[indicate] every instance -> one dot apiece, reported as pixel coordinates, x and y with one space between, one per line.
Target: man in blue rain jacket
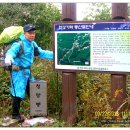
21 76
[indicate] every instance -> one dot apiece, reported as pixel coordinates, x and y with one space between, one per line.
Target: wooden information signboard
92 46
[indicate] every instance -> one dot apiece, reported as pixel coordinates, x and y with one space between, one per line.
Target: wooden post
69 97
118 90
120 9
69 10
69 78
118 81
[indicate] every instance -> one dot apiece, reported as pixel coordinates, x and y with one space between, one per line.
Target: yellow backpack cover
10 34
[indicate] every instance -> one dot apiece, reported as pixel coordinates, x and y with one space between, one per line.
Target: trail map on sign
74 48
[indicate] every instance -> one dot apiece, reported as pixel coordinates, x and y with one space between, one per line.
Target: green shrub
93 94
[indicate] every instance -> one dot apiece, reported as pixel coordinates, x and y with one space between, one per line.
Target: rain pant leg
19 83
16 105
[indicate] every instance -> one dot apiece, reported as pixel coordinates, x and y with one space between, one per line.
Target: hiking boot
18 118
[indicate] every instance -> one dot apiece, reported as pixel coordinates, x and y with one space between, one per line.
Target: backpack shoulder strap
21 47
36 52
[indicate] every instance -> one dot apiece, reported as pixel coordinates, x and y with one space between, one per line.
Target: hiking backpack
3 51
5 48
7 37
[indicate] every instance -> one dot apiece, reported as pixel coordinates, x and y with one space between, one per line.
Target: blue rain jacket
25 60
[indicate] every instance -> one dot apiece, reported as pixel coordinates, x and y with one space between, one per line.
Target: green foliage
59 124
4 93
41 15
98 11
93 96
